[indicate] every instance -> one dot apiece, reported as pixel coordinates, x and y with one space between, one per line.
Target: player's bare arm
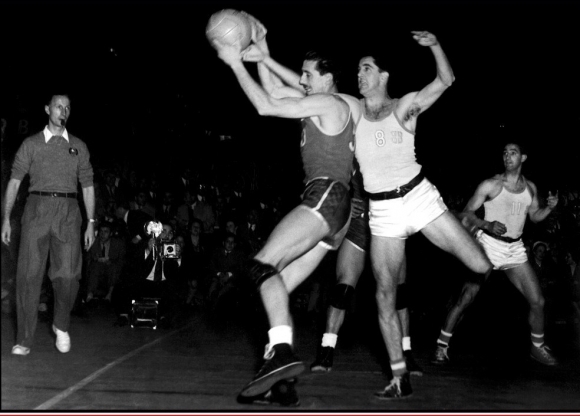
414 103
277 80
486 190
326 107
535 213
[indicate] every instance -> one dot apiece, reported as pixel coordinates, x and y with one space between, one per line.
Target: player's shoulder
495 183
353 103
530 185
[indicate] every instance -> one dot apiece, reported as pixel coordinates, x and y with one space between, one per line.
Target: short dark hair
523 148
380 62
324 64
51 97
105 224
227 235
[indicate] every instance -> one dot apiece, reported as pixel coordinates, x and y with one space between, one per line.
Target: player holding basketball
507 198
402 200
303 237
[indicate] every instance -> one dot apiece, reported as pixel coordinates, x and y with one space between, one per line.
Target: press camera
170 250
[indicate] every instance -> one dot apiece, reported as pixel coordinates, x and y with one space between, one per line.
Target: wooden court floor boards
197 366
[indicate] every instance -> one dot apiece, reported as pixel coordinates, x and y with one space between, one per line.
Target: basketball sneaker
412 366
440 356
281 363
398 388
324 360
542 355
282 393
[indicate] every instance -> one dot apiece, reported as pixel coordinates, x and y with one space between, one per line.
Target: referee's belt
399 191
500 238
55 194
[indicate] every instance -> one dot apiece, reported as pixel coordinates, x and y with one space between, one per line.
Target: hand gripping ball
230 27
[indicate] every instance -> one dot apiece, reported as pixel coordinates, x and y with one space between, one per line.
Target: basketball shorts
330 200
407 215
359 233
502 255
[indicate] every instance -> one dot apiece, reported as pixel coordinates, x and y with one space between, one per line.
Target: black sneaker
543 355
283 393
324 359
281 363
440 355
412 366
398 388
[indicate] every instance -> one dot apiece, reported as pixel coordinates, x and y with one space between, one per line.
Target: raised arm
285 82
416 102
536 213
290 107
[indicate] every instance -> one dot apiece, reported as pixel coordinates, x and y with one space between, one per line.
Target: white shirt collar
48 134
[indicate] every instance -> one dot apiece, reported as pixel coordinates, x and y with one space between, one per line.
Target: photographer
154 274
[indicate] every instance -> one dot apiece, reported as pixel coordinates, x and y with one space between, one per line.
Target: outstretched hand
253 53
258 29
424 38
258 50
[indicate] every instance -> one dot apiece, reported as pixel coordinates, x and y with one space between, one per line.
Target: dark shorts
331 201
359 232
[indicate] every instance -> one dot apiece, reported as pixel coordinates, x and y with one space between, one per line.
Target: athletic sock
444 338
329 339
398 367
406 343
537 340
281 334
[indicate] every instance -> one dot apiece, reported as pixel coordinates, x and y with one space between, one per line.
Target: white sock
329 340
406 343
537 340
281 334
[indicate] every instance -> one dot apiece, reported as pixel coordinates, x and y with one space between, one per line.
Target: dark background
145 83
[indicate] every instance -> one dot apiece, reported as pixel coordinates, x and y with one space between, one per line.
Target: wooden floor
199 366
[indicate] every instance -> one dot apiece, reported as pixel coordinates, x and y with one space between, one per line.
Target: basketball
230 27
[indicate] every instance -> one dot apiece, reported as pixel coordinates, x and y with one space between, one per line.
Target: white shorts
502 255
403 217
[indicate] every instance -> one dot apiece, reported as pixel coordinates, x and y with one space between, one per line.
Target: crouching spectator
106 260
226 273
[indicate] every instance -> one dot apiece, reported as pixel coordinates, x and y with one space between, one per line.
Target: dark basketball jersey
325 156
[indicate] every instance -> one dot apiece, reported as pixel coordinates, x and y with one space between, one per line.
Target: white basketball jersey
510 209
385 151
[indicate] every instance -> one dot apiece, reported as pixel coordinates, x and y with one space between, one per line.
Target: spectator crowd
219 219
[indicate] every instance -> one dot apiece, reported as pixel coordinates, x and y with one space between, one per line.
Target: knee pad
260 272
402 297
341 296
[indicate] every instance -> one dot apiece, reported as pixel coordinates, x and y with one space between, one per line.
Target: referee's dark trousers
50 226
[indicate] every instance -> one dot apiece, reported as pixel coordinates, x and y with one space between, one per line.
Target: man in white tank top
402 201
507 198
